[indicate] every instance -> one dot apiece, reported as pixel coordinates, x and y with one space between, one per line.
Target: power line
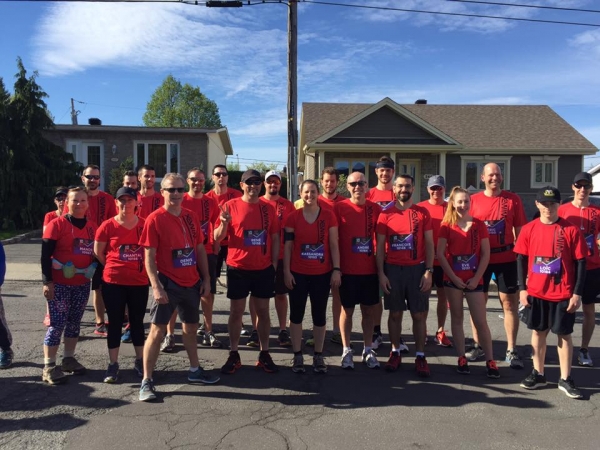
558 8
109 106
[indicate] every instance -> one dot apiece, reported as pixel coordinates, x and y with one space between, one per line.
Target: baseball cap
250 173
548 194
581 176
436 180
126 191
272 173
61 191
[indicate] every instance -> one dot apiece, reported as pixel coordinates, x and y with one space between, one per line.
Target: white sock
68 354
193 369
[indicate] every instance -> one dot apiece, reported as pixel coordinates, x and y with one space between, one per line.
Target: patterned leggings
66 311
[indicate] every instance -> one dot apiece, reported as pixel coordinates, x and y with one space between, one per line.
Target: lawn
6 234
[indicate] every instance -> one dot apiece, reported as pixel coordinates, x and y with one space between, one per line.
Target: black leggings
116 297
315 286
221 258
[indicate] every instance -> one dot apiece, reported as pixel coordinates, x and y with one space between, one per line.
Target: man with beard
148 199
130 180
405 268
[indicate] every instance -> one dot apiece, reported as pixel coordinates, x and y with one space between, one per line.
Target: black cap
126 191
61 191
250 173
548 194
582 176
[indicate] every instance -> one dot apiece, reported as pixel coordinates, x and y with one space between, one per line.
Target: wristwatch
429 269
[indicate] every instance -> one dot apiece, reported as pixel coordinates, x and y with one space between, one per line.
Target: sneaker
310 342
370 359
232 364
284 339
100 330
403 347
209 339
53 375
126 337
534 380
201 330
492 369
253 340
568 387
422 367
71 365
377 341
112 373
298 364
147 391
46 321
336 338
347 359
513 358
201 376
266 362
244 332
442 339
6 358
475 353
463 365
394 362
168 343
138 367
319 365
584 358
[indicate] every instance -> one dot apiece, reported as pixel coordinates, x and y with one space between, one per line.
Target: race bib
401 242
184 257
386 205
546 266
83 246
362 245
312 252
495 227
254 238
131 253
464 262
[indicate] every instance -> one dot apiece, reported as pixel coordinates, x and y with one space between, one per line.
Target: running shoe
463 365
6 358
584 358
147 390
336 338
298 364
201 376
442 339
253 340
347 359
209 339
244 332
534 380
475 353
53 375
310 342
100 330
232 364
266 362
168 343
568 387
422 367
112 373
394 362
71 365
126 337
319 365
201 330
377 341
138 367
513 358
370 359
492 369
284 339
46 321
403 347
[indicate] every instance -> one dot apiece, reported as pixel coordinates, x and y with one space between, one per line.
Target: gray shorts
405 293
186 300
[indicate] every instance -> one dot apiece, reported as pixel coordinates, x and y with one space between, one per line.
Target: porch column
320 164
442 168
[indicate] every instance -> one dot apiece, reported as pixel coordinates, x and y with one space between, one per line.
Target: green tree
175 105
116 175
263 167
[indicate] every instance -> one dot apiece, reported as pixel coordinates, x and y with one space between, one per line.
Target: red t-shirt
436 212
588 221
330 203
356 231
501 214
147 205
384 198
208 212
552 251
101 207
250 231
175 240
463 248
311 254
49 217
404 233
222 199
124 256
74 245
283 208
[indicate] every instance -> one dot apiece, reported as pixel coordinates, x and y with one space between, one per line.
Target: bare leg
346 326
477 309
538 342
336 308
236 312
263 320
419 329
565 354
589 323
98 302
367 325
151 348
455 297
281 307
190 343
395 328
171 324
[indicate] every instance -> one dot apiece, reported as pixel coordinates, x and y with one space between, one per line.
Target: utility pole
73 113
293 100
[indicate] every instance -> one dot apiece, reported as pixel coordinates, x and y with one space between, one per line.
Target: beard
404 196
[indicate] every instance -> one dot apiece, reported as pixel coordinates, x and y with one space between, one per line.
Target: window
163 156
472 166
366 166
544 171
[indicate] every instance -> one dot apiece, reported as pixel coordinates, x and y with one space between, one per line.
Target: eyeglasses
436 188
253 182
173 190
92 177
60 198
197 180
220 174
407 186
357 183
579 186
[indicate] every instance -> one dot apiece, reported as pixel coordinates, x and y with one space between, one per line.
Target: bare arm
334 247
100 251
380 259
158 291
275 249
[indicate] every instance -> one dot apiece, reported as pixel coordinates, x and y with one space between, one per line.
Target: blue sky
113 56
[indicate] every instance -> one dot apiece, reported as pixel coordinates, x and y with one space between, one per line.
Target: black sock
377 330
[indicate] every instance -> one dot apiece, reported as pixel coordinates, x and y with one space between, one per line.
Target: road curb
22 237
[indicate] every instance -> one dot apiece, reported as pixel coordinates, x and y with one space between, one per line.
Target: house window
472 167
366 166
163 156
544 171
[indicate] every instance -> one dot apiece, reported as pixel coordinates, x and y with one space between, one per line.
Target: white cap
272 173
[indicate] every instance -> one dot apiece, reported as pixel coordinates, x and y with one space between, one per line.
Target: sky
111 56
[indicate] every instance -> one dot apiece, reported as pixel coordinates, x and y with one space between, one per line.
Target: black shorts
184 300
258 283
212 271
591 288
317 288
405 293
450 284
506 277
438 277
97 278
359 290
545 314
280 287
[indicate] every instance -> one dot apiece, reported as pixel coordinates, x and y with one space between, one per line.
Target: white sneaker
584 358
370 360
377 341
403 347
347 359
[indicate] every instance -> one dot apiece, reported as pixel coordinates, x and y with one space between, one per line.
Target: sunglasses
173 190
584 186
253 182
60 198
220 174
92 177
197 180
357 183
436 188
273 182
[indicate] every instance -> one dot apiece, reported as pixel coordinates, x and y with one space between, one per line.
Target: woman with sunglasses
311 266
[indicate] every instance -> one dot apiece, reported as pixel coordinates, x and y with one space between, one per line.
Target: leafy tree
263 167
233 167
116 175
175 105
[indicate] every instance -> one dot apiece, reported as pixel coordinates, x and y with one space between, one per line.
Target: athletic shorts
545 315
506 277
450 284
438 277
184 300
359 290
280 287
405 293
591 288
212 271
258 283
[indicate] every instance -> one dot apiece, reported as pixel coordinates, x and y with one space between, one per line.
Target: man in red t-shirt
148 199
586 217
253 230
130 180
551 276
503 214
357 219
174 255
405 268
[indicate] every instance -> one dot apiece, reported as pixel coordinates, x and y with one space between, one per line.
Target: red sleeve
333 219
49 217
444 231
149 237
215 212
102 232
291 221
52 231
381 227
522 244
520 218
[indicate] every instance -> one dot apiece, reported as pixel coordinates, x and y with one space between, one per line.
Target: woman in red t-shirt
124 277
463 251
311 266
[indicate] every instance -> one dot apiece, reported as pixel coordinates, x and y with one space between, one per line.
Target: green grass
6 234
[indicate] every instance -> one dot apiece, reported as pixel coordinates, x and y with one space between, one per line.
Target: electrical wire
556 8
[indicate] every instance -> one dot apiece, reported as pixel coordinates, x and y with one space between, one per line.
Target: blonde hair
451 216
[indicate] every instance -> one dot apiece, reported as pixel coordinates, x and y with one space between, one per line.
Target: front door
411 167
